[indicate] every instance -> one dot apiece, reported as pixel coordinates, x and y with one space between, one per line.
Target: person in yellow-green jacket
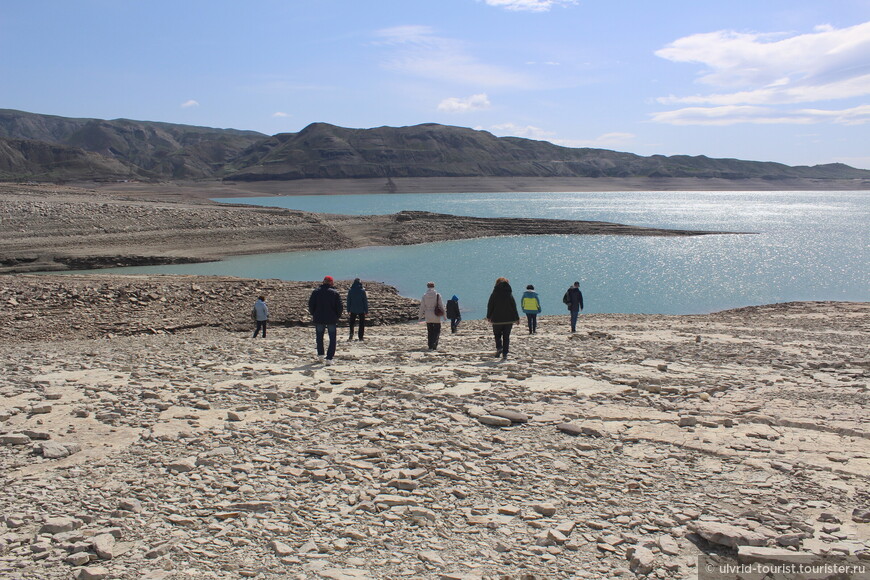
531 305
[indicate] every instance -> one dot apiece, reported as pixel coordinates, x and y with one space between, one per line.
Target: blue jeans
532 318
574 315
319 329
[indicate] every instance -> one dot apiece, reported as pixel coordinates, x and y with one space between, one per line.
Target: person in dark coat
325 308
573 298
501 312
453 313
357 307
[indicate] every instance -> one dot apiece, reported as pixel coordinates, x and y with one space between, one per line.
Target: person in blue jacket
531 305
325 308
357 307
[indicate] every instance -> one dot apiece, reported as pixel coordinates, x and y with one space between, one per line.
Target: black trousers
433 332
260 324
362 324
502 334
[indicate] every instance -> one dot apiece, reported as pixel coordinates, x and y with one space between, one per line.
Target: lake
807 246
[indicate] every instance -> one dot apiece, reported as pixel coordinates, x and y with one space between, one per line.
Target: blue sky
770 80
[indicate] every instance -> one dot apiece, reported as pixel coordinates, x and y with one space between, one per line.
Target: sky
766 80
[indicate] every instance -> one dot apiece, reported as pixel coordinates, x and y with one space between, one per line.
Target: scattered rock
495 421
728 535
14 439
93 573
514 416
642 561
59 525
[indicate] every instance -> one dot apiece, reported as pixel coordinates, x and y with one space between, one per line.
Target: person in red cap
325 308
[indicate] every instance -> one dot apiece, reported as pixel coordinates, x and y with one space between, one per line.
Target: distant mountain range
37 147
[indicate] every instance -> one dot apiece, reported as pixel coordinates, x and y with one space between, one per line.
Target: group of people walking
501 312
326 307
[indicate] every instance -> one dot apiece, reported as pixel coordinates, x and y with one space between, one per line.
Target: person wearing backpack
531 305
432 311
573 298
260 315
453 313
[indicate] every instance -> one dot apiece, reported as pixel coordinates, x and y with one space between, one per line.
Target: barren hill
50 148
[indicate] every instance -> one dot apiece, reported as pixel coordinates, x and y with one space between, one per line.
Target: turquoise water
808 246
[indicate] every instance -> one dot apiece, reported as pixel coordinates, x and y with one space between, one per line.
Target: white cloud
280 114
190 103
855 116
527 132
728 115
734 114
750 72
419 51
459 105
529 5
606 141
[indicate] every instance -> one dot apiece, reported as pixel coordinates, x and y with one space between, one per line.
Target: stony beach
145 435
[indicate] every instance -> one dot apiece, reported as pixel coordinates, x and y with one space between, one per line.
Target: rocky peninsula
50 227
145 435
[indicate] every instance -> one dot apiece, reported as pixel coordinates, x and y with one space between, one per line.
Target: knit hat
328 280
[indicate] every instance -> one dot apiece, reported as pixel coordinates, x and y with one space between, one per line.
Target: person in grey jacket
357 307
260 314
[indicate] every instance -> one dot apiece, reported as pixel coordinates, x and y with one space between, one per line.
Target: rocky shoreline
627 449
74 306
50 228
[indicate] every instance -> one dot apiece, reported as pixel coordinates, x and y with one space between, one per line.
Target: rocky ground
50 227
628 448
56 307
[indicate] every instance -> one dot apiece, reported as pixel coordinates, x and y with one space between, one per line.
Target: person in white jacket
432 311
260 314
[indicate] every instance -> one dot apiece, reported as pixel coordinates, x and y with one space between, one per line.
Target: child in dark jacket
453 313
